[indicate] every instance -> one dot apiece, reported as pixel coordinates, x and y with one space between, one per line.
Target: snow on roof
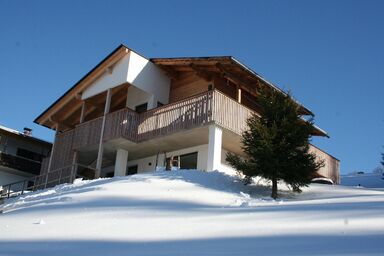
22 134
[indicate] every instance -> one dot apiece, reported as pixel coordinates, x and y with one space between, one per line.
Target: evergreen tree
277 144
382 158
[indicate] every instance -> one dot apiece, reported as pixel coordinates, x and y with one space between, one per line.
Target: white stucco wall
6 177
225 167
109 80
137 97
148 164
140 73
144 163
147 76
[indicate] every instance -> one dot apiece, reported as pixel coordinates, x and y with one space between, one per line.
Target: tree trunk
274 187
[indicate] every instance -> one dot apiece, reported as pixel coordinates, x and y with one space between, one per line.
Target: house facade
131 114
21 155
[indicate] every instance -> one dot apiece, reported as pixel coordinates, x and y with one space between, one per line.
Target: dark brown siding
186 87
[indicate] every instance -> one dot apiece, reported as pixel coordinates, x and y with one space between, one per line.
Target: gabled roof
226 65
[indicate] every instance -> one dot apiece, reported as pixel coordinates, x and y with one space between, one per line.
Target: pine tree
382 158
277 144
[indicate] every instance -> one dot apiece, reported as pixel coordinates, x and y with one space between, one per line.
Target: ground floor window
131 170
110 174
186 161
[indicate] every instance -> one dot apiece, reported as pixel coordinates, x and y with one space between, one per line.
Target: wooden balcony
20 163
208 107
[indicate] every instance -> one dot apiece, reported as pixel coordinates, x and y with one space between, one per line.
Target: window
141 108
110 174
131 170
186 161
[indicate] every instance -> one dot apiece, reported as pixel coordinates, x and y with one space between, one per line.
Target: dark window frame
141 108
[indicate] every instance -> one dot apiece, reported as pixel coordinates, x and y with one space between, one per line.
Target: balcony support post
82 114
101 149
51 156
238 94
214 148
121 162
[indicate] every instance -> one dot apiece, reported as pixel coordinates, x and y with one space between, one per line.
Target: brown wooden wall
331 165
187 86
87 133
44 165
63 151
226 87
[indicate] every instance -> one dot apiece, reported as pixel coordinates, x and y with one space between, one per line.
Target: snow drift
192 213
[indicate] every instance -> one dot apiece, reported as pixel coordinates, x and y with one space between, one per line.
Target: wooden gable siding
187 86
226 87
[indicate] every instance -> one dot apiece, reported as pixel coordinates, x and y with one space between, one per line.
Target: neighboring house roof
226 65
27 137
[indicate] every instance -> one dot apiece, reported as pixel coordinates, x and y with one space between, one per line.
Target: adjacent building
21 155
131 114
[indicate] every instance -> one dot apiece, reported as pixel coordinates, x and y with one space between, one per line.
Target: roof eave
37 119
308 112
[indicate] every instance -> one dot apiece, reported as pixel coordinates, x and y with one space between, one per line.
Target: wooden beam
201 72
82 114
73 107
236 80
170 72
60 124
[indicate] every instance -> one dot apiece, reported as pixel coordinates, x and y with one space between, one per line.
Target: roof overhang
76 90
222 64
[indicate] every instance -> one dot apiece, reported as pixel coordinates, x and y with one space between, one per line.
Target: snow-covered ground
192 213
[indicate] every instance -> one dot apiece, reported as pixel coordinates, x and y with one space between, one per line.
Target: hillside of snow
192 213
366 180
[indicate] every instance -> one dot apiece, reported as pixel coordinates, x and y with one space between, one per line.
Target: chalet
21 155
131 114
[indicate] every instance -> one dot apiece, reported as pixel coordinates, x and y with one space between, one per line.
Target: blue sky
329 53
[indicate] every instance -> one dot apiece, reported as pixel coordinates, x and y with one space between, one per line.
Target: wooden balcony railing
201 109
230 114
20 163
122 123
181 115
87 133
